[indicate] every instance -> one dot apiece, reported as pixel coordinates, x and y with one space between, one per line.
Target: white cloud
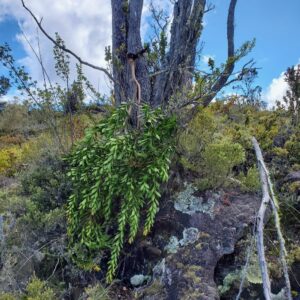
276 90
84 25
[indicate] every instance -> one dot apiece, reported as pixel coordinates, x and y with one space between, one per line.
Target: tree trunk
185 33
178 69
119 49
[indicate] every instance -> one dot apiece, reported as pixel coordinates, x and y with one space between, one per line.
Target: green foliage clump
195 137
97 292
250 182
218 160
46 183
10 157
38 290
230 279
8 296
116 173
292 145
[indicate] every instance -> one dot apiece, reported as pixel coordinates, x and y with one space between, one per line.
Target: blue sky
274 25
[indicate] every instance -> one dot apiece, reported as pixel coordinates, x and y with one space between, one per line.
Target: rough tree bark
185 33
177 71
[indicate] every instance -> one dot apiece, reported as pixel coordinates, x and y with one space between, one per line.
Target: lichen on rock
139 279
190 236
187 203
173 245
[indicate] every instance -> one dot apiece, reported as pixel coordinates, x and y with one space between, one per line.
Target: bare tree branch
39 24
266 187
260 222
230 56
283 252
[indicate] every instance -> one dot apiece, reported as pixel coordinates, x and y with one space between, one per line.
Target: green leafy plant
116 173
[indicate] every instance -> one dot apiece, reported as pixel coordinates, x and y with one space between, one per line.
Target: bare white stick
274 204
260 222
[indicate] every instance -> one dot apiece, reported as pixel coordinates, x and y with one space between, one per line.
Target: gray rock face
209 230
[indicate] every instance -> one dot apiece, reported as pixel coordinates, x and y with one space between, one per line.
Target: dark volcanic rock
210 224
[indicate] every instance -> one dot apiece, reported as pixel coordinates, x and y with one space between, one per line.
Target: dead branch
237 76
39 24
283 252
230 56
267 187
260 222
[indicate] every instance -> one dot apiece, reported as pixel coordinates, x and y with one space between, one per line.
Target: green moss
253 271
281 152
155 289
228 281
294 187
294 254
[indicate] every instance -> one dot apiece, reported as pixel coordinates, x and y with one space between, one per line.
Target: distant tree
292 97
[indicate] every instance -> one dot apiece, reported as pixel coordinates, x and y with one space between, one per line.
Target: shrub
116 173
8 296
292 145
38 290
218 160
46 183
195 137
251 181
10 158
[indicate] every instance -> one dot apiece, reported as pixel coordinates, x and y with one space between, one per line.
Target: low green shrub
250 182
218 160
46 182
192 141
38 290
